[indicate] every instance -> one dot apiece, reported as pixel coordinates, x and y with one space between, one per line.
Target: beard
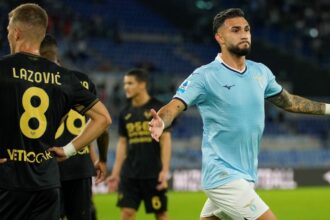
239 51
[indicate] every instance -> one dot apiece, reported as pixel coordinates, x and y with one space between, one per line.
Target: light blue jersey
231 105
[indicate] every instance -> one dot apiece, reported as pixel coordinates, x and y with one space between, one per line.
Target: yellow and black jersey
79 166
143 153
35 95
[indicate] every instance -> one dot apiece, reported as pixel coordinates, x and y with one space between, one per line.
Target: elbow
107 121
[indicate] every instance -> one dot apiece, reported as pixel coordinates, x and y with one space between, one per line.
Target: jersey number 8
33 121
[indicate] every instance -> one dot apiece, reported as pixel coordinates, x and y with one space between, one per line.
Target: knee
161 216
128 214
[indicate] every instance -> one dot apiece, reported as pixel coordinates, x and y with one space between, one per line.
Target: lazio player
230 94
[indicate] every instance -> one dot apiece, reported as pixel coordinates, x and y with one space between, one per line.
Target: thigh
238 199
46 205
37 205
14 205
155 201
129 193
77 199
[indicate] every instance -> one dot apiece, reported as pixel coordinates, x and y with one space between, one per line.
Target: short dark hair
220 18
48 41
140 75
49 49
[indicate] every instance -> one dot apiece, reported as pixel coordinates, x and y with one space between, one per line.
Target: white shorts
236 200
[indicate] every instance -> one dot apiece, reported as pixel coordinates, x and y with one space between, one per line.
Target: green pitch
299 204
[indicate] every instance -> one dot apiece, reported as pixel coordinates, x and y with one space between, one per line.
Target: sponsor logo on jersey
260 80
147 114
28 156
128 116
183 87
228 86
138 132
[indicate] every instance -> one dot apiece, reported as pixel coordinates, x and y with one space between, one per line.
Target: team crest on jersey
260 80
183 87
128 116
147 114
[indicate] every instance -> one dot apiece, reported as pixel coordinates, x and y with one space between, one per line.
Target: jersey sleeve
192 90
81 98
92 87
272 87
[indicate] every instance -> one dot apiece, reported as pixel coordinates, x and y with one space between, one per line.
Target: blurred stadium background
105 38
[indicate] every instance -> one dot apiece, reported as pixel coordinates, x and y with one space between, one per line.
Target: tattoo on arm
169 112
294 103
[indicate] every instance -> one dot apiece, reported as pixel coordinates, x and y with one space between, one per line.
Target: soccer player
142 164
76 172
35 95
229 93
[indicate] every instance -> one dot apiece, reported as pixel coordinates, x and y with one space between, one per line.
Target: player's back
80 166
35 95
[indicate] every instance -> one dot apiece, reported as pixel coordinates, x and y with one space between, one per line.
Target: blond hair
33 20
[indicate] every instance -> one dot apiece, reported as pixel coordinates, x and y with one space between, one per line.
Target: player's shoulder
80 75
125 108
209 67
257 65
154 103
11 58
32 61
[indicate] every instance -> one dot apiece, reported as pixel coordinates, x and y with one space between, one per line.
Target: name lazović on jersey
37 77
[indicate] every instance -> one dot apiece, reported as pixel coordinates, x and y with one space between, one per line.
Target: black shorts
132 191
36 205
76 199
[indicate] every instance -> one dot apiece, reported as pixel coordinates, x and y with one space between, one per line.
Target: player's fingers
3 160
155 137
55 150
98 177
161 186
154 113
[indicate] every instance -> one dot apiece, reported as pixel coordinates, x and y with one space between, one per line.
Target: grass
298 204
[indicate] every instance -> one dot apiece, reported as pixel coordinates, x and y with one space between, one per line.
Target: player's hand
3 160
113 182
101 171
162 180
59 153
156 125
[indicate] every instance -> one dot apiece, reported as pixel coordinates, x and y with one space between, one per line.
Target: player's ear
219 38
17 33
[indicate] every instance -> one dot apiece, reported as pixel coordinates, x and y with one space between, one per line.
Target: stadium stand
107 37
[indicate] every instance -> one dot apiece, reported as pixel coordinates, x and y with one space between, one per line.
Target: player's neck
141 99
236 62
27 48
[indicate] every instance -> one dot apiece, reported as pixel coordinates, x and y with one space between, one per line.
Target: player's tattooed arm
294 103
171 111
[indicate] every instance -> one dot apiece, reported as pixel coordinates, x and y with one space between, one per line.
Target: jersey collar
218 58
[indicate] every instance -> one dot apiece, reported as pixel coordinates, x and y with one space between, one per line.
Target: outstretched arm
294 103
164 117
